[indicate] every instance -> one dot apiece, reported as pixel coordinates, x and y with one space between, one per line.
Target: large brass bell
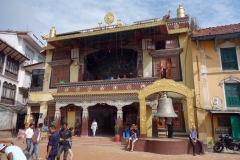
165 107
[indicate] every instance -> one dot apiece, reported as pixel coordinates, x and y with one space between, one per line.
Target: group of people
124 76
59 142
62 142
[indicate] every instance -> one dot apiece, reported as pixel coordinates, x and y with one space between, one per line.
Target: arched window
8 93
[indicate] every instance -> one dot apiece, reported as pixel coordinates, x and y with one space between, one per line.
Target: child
70 145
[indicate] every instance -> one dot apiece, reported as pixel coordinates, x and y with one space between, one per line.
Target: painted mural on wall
7 120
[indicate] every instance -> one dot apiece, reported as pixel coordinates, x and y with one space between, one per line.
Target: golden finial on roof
109 18
119 23
99 27
180 11
52 32
44 36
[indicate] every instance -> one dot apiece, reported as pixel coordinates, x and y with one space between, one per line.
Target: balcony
106 85
36 89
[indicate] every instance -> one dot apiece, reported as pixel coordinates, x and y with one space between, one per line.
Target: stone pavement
94 152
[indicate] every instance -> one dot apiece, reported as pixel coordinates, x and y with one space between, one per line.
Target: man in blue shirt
193 139
52 147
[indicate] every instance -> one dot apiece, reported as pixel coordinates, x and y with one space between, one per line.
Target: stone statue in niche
216 102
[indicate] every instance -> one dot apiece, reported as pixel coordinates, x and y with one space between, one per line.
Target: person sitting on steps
133 139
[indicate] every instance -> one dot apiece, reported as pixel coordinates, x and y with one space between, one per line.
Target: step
101 141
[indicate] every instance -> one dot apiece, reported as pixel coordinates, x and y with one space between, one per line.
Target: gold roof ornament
109 18
119 23
180 11
52 32
99 28
44 36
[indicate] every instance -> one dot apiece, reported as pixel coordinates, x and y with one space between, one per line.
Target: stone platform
167 146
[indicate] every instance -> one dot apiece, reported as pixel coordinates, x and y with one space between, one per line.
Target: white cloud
66 16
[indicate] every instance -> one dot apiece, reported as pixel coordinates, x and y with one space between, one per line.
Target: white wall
24 78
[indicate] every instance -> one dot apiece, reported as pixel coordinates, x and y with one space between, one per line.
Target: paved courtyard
93 152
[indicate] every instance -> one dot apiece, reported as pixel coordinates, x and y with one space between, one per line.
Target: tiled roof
227 29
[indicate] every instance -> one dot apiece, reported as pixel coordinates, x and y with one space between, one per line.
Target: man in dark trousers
65 137
52 147
193 139
168 121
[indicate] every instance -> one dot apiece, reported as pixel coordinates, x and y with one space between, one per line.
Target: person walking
133 139
35 140
28 136
12 152
65 137
94 127
70 145
193 139
52 147
77 129
169 125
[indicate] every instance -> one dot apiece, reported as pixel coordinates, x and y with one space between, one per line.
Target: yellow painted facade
209 79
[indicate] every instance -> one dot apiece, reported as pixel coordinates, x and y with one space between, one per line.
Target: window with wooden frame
229 59
170 44
167 67
232 92
166 44
8 93
1 61
12 67
150 44
60 74
178 122
62 54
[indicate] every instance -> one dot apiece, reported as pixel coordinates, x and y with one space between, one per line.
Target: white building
17 50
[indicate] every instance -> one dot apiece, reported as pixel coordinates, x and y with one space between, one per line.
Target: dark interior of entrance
111 63
35 119
105 116
130 115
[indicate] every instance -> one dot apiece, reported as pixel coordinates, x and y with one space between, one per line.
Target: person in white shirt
94 127
12 152
28 136
35 139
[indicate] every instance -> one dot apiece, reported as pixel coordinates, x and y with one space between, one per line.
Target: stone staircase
99 141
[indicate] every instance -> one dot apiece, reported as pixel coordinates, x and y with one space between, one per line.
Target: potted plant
117 136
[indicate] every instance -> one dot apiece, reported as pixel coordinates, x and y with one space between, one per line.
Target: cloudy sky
71 15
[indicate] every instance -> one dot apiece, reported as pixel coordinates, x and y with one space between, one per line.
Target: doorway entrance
105 116
73 116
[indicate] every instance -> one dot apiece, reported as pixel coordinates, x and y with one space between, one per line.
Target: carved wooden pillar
140 63
85 122
143 112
